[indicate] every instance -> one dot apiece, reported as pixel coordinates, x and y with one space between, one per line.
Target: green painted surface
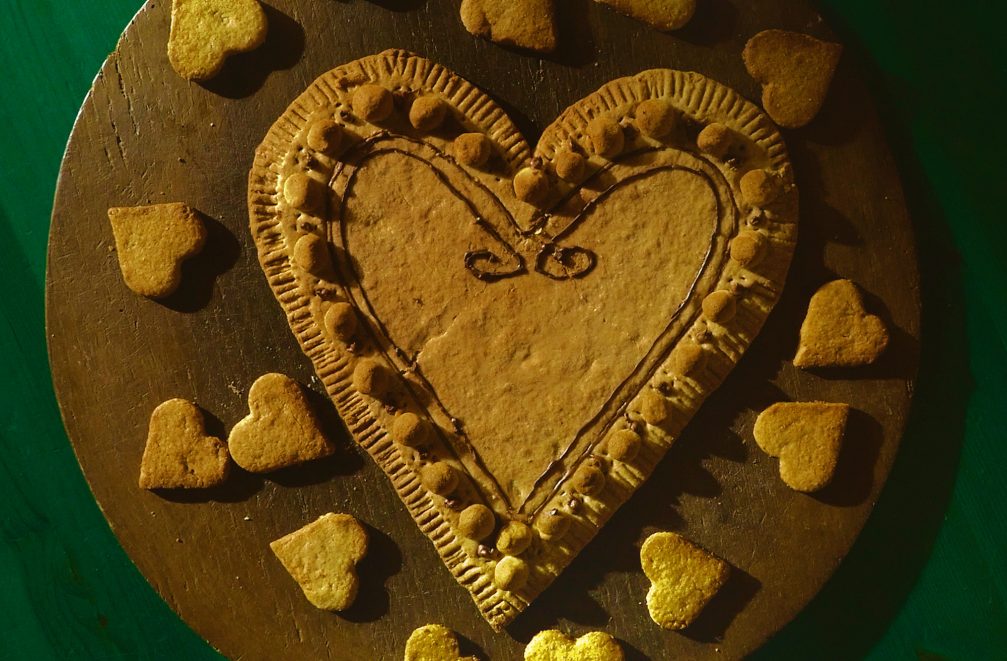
927 579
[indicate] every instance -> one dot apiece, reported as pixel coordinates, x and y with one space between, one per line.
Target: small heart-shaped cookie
322 557
152 242
685 577
280 429
665 15
795 71
433 642
527 24
552 645
838 332
807 437
179 454
205 32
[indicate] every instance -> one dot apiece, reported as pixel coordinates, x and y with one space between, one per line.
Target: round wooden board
146 136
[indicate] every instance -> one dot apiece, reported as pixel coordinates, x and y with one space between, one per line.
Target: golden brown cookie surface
684 578
434 642
795 70
838 331
179 454
205 32
527 24
807 437
665 15
552 645
280 429
322 557
152 242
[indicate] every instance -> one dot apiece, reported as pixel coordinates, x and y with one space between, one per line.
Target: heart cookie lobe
205 32
838 331
434 642
665 15
322 557
795 70
280 429
179 454
152 242
552 645
529 24
570 284
807 437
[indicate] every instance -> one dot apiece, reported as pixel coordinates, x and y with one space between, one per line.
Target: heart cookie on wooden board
535 360
795 70
838 331
807 437
205 32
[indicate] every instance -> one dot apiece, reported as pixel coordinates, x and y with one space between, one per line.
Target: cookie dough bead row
474 522
762 192
428 113
605 138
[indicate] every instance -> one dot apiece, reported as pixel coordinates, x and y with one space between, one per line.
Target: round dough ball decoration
569 166
370 378
656 118
531 185
372 103
325 136
748 248
553 524
410 430
606 136
759 188
510 573
720 307
716 140
341 321
427 113
653 408
687 358
589 478
514 538
476 522
473 149
623 445
311 253
439 478
303 193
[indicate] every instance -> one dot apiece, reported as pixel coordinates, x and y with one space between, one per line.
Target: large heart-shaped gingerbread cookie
518 369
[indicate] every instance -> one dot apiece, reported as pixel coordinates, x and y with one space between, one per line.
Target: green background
928 577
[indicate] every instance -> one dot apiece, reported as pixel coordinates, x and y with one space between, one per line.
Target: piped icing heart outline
305 258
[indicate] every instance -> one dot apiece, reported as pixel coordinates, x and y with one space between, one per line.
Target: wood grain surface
146 136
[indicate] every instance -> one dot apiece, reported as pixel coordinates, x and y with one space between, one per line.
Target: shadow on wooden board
857 606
